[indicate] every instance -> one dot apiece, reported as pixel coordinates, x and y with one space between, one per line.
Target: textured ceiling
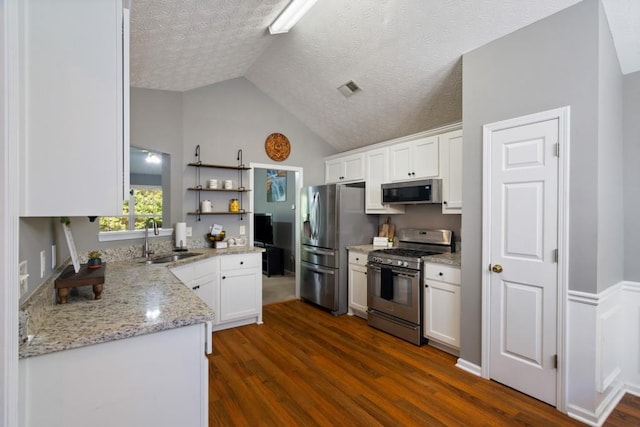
404 54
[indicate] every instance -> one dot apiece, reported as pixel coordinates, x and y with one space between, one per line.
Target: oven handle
400 273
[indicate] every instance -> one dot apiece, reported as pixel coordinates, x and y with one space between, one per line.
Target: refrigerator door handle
318 269
318 251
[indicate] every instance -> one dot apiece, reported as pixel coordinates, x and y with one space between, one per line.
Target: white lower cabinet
202 277
157 379
240 290
442 306
358 284
230 284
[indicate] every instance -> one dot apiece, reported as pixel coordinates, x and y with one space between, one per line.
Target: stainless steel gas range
394 281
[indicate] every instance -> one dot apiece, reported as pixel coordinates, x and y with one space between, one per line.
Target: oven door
394 291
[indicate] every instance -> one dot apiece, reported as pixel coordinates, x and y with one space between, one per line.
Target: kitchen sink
170 258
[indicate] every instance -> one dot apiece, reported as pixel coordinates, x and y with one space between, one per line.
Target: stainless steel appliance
394 281
332 218
412 192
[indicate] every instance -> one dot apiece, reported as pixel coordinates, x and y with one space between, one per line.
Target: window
150 192
146 202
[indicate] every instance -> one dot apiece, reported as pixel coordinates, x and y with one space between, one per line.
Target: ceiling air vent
349 88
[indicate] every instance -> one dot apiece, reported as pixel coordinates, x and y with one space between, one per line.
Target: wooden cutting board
383 229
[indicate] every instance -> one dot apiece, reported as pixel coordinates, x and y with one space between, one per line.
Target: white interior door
523 237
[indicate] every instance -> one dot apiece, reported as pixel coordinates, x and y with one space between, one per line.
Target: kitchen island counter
138 299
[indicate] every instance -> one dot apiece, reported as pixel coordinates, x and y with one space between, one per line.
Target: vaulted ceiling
405 55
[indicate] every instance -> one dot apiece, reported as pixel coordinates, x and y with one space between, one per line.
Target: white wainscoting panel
598 362
631 338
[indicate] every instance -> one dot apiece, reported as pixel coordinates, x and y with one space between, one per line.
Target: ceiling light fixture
153 158
290 16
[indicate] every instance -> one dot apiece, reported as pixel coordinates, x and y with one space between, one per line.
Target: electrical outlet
43 263
188 231
243 230
53 257
23 283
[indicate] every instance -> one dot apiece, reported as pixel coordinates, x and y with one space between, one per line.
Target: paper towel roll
181 234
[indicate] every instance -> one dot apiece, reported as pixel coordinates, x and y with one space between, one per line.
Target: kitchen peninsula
137 356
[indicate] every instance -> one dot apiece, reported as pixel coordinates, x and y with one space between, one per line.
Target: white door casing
523 225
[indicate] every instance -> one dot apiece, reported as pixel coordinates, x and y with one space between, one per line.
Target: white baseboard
472 368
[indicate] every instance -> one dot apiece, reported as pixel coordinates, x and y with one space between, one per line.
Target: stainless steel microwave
412 192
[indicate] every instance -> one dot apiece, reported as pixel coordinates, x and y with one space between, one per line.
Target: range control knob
400 263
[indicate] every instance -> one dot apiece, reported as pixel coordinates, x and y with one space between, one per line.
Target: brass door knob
497 268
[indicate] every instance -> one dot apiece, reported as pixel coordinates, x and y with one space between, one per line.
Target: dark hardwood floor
305 367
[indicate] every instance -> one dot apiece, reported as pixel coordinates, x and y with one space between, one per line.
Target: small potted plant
94 260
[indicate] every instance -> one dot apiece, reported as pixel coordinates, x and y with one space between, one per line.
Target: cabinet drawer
234 262
358 258
443 273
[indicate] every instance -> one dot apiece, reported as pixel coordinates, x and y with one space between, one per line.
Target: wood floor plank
305 367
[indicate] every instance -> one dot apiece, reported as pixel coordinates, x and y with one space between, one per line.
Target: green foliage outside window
147 204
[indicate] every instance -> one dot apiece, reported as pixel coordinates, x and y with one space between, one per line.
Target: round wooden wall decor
277 147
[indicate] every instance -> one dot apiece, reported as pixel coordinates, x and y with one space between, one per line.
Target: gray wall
631 185
232 115
35 235
549 64
610 161
283 214
426 216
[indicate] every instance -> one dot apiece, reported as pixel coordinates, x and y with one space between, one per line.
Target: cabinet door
332 171
354 167
400 168
344 169
451 172
240 294
206 288
425 157
442 312
358 289
73 91
376 174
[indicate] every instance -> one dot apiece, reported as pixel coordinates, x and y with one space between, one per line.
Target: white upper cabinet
75 86
344 169
413 160
376 174
451 171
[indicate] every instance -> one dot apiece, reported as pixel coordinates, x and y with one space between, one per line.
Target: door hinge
555 361
554 256
556 149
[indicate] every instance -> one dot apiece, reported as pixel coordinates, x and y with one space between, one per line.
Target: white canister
213 183
206 206
228 184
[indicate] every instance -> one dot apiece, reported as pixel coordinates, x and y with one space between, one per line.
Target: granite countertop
138 299
452 259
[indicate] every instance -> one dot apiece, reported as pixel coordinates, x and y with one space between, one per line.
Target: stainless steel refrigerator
332 218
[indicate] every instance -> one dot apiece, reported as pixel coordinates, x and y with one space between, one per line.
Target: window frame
109 236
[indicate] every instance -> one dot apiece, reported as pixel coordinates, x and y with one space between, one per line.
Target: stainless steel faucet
156 232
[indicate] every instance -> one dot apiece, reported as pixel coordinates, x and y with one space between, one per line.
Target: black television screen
262 228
